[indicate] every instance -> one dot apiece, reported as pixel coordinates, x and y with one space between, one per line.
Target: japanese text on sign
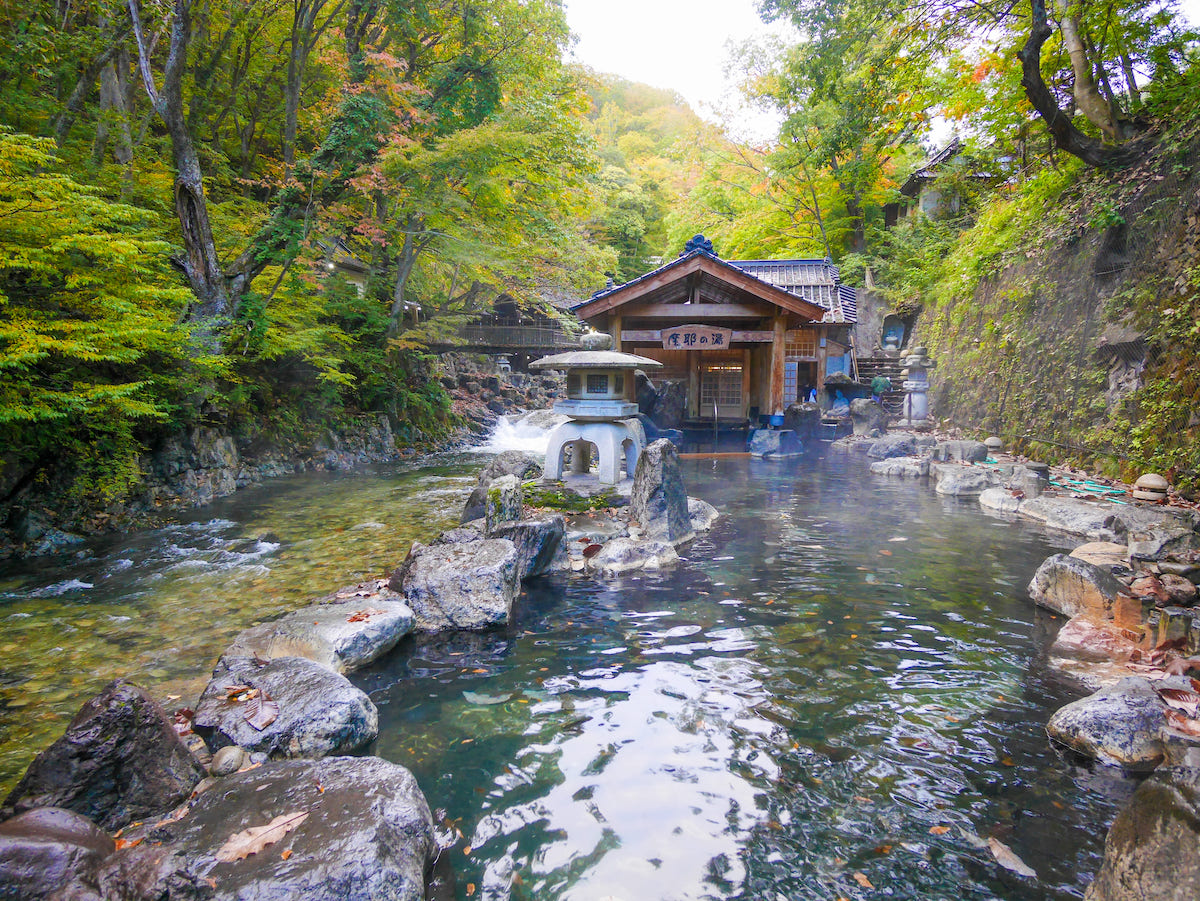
696 337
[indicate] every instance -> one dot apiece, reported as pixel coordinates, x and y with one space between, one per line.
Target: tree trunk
200 264
1066 135
404 269
1098 110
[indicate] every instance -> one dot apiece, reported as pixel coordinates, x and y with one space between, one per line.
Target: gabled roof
928 170
814 280
808 288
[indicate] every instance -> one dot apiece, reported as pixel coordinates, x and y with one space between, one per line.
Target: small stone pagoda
599 384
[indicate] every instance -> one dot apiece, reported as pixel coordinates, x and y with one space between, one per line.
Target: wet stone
319 713
119 760
44 849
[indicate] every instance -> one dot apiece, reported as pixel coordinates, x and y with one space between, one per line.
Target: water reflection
159 606
842 689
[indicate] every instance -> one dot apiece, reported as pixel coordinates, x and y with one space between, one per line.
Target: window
800 344
721 385
597 384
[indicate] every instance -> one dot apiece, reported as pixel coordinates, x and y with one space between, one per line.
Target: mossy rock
559 497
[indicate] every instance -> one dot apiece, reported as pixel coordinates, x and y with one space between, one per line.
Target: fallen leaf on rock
862 880
363 615
242 844
1008 859
127 843
1184 724
592 550
1181 699
261 711
285 854
233 691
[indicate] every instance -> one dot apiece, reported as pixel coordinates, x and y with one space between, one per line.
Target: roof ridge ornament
701 243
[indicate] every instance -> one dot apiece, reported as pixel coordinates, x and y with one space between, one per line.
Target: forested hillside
178 176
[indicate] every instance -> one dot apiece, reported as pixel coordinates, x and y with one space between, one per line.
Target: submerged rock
1153 847
43 850
118 761
1001 500
364 833
1119 725
342 636
1071 586
623 555
658 500
901 445
470 585
319 711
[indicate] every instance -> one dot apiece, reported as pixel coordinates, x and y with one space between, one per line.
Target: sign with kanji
696 337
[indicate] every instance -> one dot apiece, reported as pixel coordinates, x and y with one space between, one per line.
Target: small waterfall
525 432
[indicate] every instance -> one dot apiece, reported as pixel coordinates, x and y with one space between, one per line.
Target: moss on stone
562 499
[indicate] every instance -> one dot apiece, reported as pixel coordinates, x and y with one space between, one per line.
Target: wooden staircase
890 367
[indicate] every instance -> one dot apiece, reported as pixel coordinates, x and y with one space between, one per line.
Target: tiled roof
814 280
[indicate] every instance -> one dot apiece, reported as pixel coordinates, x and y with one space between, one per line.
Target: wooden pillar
747 367
777 350
822 355
614 329
693 367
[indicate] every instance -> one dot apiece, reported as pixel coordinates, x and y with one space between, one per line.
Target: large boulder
900 445
960 451
521 464
805 421
537 542
365 834
669 409
1120 725
1153 847
505 503
344 635
658 500
1000 500
470 585
906 467
1092 519
118 761
319 711
774 443
1074 587
623 555
44 849
868 416
957 480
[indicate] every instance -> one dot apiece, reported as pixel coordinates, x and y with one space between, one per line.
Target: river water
840 694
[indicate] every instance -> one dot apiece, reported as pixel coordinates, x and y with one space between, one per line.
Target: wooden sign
696 337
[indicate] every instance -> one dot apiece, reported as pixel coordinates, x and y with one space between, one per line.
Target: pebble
227 760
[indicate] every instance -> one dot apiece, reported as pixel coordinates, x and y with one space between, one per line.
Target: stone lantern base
613 440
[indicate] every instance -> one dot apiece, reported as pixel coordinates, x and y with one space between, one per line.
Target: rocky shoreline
203 463
251 793
1129 595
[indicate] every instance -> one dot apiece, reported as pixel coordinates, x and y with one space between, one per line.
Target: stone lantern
598 379
916 387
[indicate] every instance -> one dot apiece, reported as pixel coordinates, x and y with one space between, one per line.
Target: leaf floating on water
261 711
242 844
885 552
938 830
1008 859
862 880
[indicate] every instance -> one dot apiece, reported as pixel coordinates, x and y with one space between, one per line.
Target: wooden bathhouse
748 337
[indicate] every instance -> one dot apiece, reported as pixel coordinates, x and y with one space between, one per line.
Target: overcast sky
679 44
